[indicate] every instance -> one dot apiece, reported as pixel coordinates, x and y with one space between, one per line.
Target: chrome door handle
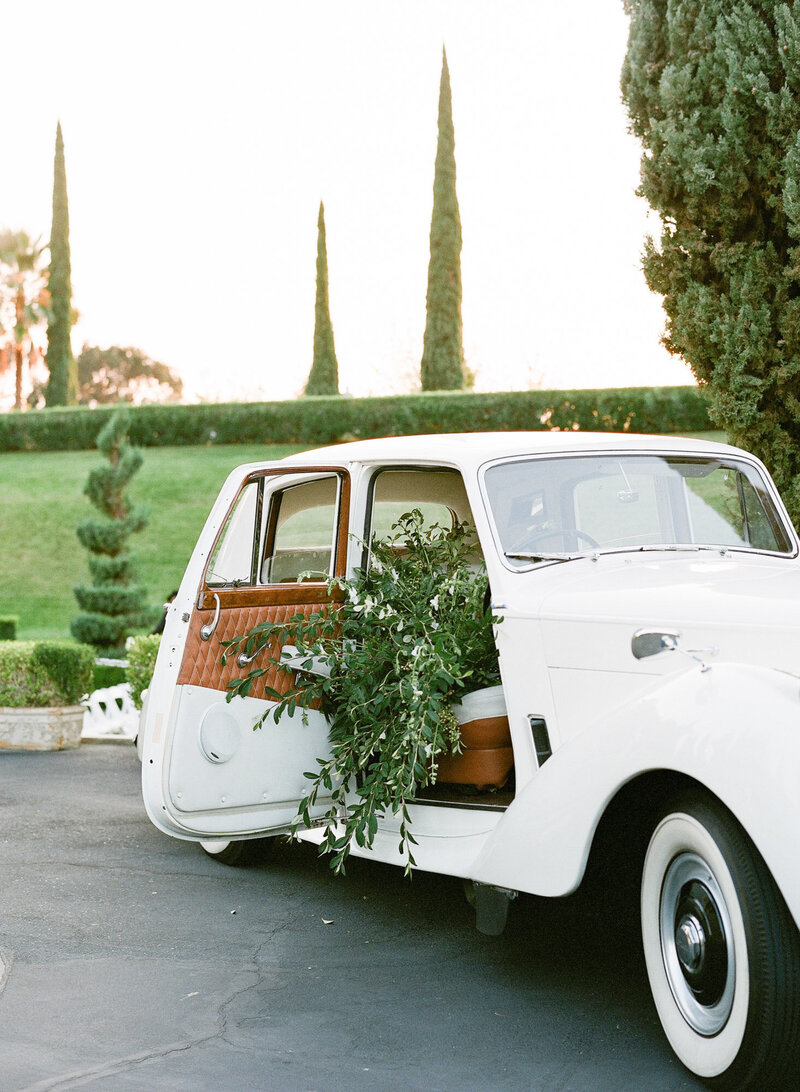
243 660
207 630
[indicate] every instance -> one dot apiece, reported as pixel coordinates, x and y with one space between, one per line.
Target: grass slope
42 502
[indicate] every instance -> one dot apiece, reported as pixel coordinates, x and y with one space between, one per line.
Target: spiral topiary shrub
114 605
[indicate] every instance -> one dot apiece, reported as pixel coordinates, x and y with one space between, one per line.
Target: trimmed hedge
106 675
44 673
8 627
324 420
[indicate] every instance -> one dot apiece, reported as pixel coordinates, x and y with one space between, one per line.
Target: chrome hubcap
690 944
695 944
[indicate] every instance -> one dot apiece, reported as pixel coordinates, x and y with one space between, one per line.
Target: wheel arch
618 843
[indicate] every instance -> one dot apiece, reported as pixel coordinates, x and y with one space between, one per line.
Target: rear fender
733 728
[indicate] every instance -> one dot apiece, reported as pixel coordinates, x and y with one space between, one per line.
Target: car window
615 502
300 534
619 508
439 495
277 536
231 562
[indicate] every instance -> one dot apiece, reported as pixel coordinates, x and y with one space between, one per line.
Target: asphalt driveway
132 961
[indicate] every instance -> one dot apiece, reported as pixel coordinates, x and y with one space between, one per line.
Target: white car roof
471 449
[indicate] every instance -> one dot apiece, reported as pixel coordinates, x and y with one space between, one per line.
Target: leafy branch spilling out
411 637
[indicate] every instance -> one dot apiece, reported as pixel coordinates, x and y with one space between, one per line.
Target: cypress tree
443 349
713 93
324 375
114 604
62 386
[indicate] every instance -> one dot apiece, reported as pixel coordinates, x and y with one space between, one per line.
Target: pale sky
201 137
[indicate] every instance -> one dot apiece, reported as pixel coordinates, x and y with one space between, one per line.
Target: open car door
267 553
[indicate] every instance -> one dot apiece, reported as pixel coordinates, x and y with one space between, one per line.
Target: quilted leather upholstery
200 665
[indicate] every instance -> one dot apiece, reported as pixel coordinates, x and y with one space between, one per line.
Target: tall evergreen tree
324 375
62 386
114 604
713 93
443 349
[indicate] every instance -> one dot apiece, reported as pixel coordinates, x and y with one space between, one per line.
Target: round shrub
44 673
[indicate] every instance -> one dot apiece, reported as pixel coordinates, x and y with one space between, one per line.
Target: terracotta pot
55 728
487 757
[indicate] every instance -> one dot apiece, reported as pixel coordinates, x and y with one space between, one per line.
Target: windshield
580 504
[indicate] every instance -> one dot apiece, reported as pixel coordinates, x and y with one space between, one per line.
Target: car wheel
251 851
722 951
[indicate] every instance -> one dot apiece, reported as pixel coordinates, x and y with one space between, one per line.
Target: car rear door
212 774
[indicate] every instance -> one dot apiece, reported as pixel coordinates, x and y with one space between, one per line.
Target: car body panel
733 729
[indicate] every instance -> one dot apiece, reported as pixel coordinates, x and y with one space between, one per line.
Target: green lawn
42 501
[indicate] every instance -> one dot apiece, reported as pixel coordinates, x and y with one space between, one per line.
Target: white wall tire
722 953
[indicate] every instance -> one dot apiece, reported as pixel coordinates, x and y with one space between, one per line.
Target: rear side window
438 494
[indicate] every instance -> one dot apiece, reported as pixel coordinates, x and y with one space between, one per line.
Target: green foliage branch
713 93
114 605
410 638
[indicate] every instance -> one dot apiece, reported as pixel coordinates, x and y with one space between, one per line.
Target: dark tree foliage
114 605
443 349
124 375
713 93
61 388
324 375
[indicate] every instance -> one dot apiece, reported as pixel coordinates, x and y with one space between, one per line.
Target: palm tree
22 297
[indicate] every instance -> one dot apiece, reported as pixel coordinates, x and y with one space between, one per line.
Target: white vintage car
649 650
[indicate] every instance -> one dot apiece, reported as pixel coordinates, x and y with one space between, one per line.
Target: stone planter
487 757
55 728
